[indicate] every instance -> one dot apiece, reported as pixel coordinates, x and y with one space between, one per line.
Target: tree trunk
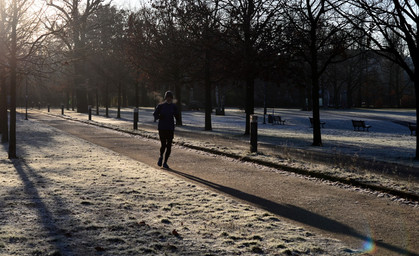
12 136
208 98
398 87
124 96
4 122
143 89
72 99
248 60
137 104
250 88
90 98
317 139
119 100
97 101
107 100
81 96
67 98
13 84
79 38
335 96
3 111
250 101
417 111
80 87
178 93
349 96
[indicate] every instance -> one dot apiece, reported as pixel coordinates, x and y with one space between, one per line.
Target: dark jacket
166 113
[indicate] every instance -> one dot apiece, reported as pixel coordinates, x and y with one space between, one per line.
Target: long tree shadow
46 217
296 213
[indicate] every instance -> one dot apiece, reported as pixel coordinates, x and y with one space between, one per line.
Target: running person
166 112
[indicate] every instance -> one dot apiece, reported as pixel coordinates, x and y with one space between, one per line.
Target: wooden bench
412 128
311 123
277 120
358 124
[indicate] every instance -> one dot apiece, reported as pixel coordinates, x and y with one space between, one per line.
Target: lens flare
369 246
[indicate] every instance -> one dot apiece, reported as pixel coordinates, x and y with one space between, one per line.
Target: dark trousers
166 139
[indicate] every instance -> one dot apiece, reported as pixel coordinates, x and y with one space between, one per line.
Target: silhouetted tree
70 24
22 39
140 42
202 21
107 58
386 21
251 25
4 122
158 38
318 38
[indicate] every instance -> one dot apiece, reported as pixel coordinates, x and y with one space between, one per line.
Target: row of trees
21 53
90 51
250 39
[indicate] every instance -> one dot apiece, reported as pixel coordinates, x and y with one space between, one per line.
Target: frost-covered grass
66 196
388 140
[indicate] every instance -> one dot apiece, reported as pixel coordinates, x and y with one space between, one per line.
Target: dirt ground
367 221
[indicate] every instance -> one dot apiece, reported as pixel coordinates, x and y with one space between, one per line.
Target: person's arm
156 113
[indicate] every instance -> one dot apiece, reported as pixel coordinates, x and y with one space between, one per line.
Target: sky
128 4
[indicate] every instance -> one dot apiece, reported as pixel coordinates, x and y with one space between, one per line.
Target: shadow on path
296 213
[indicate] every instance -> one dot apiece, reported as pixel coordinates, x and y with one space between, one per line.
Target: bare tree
4 122
386 21
159 47
108 56
251 24
22 38
319 37
202 20
70 24
140 38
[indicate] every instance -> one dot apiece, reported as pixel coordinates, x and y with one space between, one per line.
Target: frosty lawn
389 138
69 197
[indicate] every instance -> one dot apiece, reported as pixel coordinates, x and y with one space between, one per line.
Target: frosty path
352 216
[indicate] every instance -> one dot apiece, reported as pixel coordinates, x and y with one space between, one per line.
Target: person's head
168 96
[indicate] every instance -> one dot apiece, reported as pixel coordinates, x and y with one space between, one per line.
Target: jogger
166 112
166 139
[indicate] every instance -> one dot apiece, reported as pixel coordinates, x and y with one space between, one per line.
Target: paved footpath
348 214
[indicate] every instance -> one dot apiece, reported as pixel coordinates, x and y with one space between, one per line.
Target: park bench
358 124
275 119
412 128
278 120
311 123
